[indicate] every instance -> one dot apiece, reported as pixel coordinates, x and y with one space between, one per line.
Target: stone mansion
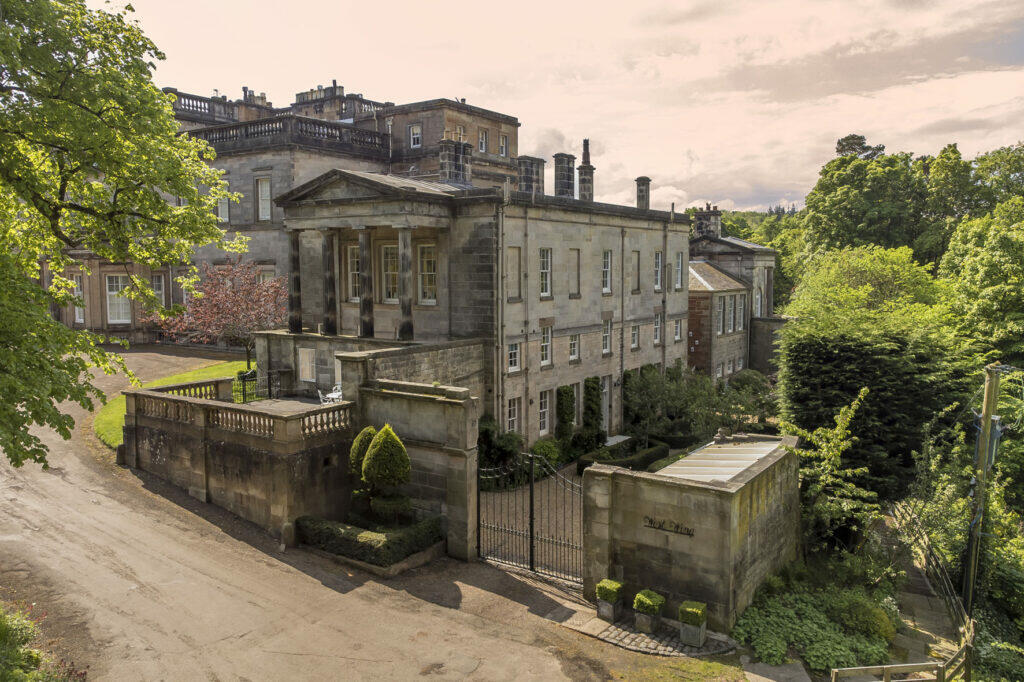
420 246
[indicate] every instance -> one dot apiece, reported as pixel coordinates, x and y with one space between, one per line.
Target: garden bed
370 543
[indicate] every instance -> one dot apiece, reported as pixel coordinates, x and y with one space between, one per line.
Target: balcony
295 130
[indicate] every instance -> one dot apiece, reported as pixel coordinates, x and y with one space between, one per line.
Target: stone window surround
634 337
79 311
606 272
546 289
659 269
259 181
679 270
512 411
415 135
574 340
546 337
544 412
122 283
514 353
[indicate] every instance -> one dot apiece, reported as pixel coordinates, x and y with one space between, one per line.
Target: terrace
290 129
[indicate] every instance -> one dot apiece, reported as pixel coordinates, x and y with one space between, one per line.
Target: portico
367 257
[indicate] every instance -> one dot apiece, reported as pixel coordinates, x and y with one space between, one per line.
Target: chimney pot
586 173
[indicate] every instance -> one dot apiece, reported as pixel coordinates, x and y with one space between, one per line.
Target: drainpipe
622 332
499 319
524 273
664 292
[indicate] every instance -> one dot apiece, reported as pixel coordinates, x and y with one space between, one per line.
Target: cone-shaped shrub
387 462
359 448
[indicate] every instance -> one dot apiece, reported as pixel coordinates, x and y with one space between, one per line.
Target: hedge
593 419
676 440
638 461
565 413
378 547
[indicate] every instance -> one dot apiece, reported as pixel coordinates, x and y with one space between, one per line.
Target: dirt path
142 582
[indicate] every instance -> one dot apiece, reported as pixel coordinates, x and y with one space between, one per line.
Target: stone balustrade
295 130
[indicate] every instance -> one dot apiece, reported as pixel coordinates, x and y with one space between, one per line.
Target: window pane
389 268
353 273
263 198
428 274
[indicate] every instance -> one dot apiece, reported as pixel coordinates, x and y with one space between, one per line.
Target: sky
734 103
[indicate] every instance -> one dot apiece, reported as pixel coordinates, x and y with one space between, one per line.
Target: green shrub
380 547
357 453
649 602
495 448
693 613
387 462
609 590
391 507
587 440
829 627
565 413
676 440
549 449
17 660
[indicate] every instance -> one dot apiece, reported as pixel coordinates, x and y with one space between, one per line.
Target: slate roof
705 276
741 244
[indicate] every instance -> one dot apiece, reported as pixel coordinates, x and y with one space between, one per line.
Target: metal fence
250 386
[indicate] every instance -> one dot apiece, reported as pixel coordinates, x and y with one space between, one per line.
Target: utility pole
981 482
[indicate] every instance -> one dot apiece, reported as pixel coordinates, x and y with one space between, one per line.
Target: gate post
532 564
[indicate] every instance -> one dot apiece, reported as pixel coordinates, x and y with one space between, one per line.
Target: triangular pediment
345 185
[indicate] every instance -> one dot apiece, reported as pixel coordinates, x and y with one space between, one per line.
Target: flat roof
721 461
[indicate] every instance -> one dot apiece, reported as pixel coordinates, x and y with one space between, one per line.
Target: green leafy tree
857 145
386 464
644 397
835 508
748 396
985 267
90 162
1001 174
859 201
953 192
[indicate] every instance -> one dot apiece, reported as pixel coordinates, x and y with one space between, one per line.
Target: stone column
405 285
769 293
365 284
330 284
295 285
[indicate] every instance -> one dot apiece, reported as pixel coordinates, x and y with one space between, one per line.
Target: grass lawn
110 418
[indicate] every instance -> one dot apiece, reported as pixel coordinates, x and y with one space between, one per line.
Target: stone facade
712 541
533 276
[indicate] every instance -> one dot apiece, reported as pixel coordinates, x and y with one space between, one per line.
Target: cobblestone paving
664 643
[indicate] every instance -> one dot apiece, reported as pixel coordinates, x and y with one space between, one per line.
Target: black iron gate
530 515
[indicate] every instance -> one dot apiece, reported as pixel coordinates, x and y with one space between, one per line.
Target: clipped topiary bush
609 590
357 453
648 602
391 507
693 613
387 462
593 419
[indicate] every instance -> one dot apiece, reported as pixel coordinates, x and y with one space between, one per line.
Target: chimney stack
531 175
643 192
565 175
586 174
707 221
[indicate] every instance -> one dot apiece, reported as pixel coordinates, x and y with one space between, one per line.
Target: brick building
733 318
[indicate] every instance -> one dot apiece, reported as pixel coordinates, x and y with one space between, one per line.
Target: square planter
693 635
609 611
646 623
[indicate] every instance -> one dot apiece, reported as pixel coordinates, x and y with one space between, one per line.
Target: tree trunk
248 356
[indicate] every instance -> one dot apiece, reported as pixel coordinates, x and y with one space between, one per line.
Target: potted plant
609 600
693 623
647 607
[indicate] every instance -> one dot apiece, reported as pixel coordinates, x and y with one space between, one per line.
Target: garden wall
266 469
763 333
711 541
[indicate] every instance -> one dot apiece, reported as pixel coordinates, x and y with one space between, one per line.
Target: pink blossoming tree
232 302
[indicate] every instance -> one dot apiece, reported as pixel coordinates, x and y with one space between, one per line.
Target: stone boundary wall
712 542
264 468
455 363
438 425
764 332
